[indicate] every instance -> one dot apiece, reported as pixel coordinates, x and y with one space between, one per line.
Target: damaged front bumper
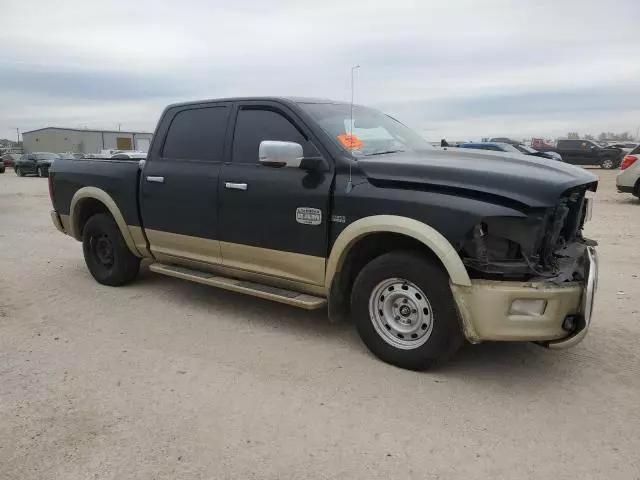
489 313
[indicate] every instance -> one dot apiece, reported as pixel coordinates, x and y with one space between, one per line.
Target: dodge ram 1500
316 203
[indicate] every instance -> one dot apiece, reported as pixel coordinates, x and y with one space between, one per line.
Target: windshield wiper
382 153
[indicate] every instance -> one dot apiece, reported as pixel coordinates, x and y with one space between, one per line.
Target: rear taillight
51 189
627 161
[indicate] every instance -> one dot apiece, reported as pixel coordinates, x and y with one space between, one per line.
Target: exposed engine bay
546 245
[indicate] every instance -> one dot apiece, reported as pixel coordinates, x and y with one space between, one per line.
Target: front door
179 184
273 220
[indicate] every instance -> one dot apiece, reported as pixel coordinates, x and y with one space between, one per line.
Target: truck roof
269 98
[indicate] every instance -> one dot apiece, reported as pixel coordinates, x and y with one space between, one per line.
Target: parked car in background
528 150
2 167
624 147
10 159
628 180
129 155
585 152
37 163
509 148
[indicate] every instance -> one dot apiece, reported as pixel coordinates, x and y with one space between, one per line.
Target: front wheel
405 312
105 252
607 164
40 172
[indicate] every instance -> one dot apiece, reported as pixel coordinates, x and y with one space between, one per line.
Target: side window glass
253 126
197 134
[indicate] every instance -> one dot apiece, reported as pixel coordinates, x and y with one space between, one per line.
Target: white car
628 180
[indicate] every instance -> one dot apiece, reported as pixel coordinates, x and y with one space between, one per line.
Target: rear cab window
197 134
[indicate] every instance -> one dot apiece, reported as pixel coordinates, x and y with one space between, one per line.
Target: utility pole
18 133
119 125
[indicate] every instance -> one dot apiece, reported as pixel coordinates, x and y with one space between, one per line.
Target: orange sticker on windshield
350 141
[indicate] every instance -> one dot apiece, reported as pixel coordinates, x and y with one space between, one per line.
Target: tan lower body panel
293 266
485 306
173 245
139 240
288 297
66 224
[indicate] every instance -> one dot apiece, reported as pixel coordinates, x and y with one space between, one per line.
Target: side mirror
592 148
274 153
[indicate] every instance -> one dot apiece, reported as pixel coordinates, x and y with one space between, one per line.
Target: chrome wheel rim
401 313
607 164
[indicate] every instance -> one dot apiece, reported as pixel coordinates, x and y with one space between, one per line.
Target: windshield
371 133
524 149
506 147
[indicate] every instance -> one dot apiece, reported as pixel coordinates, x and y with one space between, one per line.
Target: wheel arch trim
87 193
409 227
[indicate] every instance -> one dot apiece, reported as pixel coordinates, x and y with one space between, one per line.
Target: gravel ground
166 379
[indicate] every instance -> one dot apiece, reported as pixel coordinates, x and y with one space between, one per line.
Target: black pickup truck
317 204
586 152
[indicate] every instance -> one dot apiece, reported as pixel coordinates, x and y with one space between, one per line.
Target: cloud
446 67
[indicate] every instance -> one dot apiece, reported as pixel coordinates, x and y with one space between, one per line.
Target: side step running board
302 300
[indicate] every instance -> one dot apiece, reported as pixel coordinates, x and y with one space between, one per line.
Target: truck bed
119 178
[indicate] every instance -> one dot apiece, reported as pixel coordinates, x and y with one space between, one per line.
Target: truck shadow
511 363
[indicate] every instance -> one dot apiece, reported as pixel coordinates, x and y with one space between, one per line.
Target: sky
448 68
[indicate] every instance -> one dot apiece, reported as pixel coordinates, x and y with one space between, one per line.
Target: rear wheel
607 164
105 252
405 312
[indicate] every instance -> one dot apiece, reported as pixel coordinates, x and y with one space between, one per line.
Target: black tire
608 164
105 252
428 276
2 170
40 172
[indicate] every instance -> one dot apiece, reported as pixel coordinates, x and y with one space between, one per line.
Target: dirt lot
167 379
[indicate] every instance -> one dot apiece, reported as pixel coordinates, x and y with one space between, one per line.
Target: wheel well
360 254
87 209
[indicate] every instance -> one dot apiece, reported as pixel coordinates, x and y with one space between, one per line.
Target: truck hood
528 180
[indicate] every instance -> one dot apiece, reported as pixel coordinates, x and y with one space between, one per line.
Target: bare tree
588 136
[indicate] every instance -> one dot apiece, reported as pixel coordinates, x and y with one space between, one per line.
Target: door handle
235 186
155 179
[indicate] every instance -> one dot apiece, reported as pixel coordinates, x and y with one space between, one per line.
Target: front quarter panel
452 216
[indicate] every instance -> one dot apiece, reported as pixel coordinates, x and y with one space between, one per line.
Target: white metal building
60 140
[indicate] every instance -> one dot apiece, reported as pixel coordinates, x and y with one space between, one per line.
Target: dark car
317 204
527 150
10 159
37 163
2 167
510 148
586 152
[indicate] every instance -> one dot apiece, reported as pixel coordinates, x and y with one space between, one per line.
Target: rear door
179 184
273 220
